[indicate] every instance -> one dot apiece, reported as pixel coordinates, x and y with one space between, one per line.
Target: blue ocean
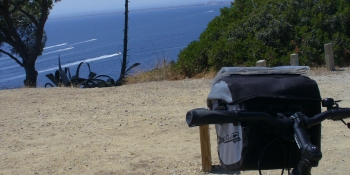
154 35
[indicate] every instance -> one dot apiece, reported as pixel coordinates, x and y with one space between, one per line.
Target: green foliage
193 60
63 78
252 30
22 29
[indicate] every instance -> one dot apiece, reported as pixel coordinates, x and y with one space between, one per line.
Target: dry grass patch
164 72
157 74
167 72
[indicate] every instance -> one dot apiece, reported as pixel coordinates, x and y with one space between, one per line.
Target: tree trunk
31 75
125 51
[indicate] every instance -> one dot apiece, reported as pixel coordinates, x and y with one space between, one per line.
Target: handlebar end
190 117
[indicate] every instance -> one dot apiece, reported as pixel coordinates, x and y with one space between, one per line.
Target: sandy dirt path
132 129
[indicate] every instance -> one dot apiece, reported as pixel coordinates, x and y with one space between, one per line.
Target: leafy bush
249 31
192 60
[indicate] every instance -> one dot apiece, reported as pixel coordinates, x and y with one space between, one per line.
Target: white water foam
63 44
58 45
84 42
67 65
78 62
9 67
59 50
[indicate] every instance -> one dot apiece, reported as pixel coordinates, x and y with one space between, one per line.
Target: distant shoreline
175 7
100 13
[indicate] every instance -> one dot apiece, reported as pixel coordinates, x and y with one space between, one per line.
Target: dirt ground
132 129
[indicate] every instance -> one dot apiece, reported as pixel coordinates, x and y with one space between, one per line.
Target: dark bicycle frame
310 153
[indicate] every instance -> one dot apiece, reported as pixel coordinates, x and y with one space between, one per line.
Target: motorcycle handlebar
201 116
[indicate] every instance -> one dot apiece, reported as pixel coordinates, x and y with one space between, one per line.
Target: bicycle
267 118
310 153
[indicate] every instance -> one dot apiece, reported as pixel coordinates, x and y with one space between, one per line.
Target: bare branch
17 41
8 41
11 56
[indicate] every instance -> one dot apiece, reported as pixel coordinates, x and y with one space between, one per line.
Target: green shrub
249 31
63 78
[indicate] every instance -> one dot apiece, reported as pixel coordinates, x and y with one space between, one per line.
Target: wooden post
328 49
294 61
205 148
261 63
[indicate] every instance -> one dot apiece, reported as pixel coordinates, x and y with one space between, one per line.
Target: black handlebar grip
333 114
341 113
202 116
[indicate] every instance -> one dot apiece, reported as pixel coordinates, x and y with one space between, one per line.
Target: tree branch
31 17
41 24
18 43
11 56
4 32
19 3
6 40
44 13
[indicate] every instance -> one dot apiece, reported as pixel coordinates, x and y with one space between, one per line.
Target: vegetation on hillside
249 31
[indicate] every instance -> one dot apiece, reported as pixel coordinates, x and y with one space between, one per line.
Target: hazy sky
79 6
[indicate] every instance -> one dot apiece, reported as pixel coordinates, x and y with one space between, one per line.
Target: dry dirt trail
132 129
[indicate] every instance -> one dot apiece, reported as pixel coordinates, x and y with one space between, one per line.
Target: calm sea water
154 35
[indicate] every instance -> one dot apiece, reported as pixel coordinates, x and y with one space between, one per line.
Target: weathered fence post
328 49
294 60
204 136
261 63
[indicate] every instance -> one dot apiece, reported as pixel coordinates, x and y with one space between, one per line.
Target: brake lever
330 103
347 124
336 103
336 106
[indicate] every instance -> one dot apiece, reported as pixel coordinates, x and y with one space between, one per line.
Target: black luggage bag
281 92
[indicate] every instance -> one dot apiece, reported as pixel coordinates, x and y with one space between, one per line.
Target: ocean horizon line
121 11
